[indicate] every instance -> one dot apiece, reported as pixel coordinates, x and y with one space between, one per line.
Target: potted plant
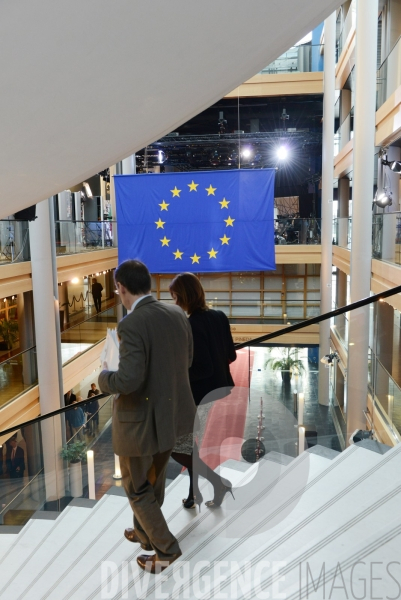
74 453
287 364
9 333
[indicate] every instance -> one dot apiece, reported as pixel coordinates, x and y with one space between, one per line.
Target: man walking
154 406
97 289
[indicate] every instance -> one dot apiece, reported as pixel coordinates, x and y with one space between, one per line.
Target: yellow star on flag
178 254
229 222
225 239
210 190
224 203
165 241
195 258
212 253
192 186
175 192
160 224
164 205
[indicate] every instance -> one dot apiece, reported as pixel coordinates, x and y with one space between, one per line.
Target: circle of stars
193 187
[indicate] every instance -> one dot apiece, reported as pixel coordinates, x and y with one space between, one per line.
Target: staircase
292 521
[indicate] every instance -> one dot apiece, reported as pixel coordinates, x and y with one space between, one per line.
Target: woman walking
210 372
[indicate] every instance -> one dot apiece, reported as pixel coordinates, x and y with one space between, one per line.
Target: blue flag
203 222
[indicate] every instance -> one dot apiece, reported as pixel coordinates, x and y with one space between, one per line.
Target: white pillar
327 200
343 211
364 143
129 165
48 348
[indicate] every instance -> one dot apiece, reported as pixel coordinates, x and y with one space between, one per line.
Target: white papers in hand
110 353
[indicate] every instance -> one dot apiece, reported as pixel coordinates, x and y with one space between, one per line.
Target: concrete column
345 108
343 211
47 329
129 165
327 201
364 143
63 303
27 336
384 335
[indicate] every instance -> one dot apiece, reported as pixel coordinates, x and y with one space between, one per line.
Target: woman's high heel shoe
219 494
191 502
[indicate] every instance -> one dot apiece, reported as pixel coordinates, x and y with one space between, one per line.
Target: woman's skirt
185 443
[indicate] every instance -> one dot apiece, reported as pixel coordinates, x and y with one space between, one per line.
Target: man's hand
105 366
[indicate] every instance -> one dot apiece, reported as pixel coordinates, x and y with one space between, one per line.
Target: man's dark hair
134 276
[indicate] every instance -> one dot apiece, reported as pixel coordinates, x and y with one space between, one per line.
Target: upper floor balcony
72 237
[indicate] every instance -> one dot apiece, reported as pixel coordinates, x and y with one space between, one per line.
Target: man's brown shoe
131 536
152 564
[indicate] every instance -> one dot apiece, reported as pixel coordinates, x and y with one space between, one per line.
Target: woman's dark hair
189 291
134 276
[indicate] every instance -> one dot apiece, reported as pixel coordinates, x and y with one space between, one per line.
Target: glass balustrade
290 230
73 237
347 27
344 133
14 241
304 58
25 486
389 75
17 375
88 333
273 413
386 237
342 229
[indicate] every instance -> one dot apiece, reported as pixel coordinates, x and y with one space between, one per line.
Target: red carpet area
224 431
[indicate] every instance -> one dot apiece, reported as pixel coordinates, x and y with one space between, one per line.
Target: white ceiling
85 83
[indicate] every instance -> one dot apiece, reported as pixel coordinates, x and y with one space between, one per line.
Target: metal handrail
263 338
5 508
54 413
15 355
324 317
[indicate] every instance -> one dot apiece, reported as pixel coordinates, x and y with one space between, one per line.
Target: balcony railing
344 133
14 241
342 229
386 237
298 59
256 403
73 237
289 230
349 23
389 75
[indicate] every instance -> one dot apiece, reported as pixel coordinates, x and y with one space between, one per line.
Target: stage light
246 153
282 153
383 199
75 280
87 189
396 166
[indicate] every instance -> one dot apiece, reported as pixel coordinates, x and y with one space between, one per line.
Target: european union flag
204 222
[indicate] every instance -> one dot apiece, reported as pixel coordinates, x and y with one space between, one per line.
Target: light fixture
328 358
282 153
395 166
383 199
97 274
246 153
87 189
75 280
161 157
